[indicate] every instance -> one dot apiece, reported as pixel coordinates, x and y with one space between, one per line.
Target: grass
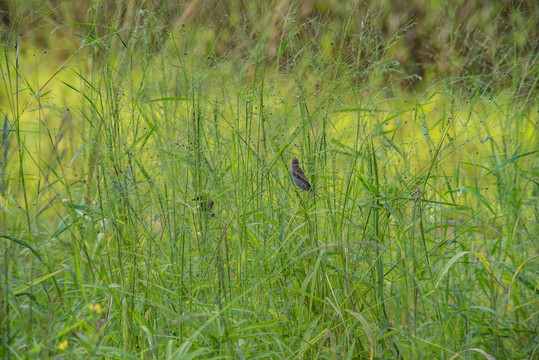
423 243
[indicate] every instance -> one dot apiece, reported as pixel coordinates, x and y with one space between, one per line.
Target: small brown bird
205 204
299 177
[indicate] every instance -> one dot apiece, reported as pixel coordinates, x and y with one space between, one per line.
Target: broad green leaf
23 243
25 287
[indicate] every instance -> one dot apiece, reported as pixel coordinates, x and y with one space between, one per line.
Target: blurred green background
492 43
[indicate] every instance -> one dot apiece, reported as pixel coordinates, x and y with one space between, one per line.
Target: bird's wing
300 175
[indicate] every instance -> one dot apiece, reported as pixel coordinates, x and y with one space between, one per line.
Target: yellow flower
62 345
95 307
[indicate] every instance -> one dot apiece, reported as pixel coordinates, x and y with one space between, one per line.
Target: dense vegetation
415 122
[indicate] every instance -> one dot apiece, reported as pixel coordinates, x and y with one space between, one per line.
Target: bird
299 177
205 204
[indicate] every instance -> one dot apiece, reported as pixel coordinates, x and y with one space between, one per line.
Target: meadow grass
423 243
